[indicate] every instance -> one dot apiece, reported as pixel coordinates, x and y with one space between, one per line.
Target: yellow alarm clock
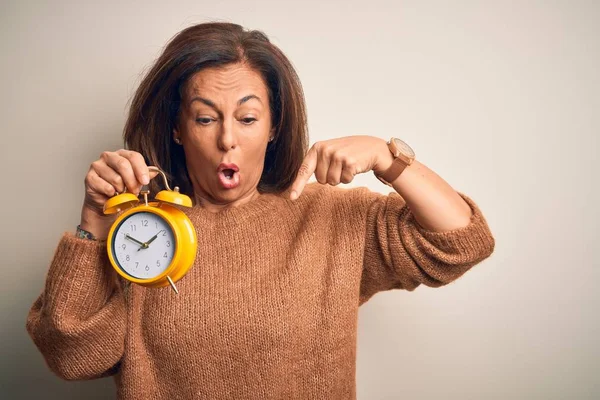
151 243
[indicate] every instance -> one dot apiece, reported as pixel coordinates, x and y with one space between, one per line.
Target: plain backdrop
500 98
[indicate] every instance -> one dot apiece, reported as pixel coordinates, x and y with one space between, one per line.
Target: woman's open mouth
229 176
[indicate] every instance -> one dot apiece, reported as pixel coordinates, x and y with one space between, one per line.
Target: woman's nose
227 137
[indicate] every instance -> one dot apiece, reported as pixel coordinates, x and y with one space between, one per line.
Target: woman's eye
204 121
248 121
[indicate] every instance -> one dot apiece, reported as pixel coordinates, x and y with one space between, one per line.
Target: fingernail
294 195
145 179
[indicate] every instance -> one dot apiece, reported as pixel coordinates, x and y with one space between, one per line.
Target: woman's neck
209 204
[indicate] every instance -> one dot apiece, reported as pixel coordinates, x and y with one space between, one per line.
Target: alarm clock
151 243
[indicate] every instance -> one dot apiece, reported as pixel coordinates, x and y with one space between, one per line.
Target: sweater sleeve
400 254
79 321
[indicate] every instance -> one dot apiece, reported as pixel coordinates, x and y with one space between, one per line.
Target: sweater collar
238 214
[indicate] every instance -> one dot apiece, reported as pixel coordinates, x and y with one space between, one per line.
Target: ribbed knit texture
269 309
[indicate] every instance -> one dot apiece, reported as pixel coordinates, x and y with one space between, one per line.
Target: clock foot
172 284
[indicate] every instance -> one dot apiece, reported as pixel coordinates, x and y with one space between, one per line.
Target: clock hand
146 244
127 236
153 238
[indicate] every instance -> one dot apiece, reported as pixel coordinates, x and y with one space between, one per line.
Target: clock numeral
144 222
156 224
168 243
133 228
127 257
164 233
123 246
137 263
147 268
158 263
165 256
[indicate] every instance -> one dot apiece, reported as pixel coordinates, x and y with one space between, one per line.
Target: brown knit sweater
268 311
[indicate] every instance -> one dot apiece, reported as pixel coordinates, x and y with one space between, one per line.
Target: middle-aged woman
269 309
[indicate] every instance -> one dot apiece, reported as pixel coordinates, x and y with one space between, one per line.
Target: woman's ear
176 136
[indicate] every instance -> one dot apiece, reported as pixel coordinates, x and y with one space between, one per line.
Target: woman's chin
227 195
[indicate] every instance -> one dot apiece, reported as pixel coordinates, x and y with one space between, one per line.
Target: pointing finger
304 173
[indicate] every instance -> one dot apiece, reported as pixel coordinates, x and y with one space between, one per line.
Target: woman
269 309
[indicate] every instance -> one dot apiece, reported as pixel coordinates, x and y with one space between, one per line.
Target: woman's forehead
226 84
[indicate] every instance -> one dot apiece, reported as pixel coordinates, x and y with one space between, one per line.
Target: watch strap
393 172
83 234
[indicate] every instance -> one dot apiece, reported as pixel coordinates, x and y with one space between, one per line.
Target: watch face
403 147
143 245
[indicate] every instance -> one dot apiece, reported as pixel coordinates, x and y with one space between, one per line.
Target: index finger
138 164
304 173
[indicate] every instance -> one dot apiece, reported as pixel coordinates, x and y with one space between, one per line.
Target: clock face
143 245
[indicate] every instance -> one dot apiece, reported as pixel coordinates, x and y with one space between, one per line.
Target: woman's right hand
114 172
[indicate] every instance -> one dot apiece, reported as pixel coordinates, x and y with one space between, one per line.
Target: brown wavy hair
156 103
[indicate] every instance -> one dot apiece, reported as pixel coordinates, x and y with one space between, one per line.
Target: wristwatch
403 154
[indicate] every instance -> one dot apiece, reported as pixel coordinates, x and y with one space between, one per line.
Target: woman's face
224 119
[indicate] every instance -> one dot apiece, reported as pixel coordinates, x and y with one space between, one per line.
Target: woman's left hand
339 160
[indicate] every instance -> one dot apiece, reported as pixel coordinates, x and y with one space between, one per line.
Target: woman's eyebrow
210 103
